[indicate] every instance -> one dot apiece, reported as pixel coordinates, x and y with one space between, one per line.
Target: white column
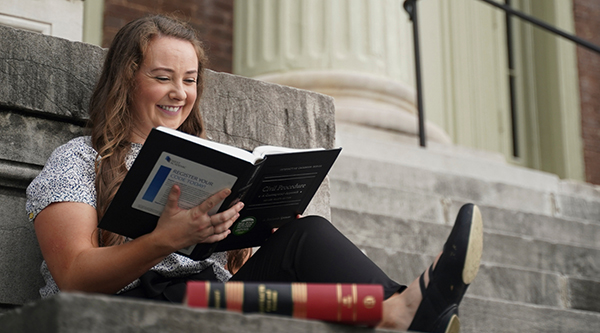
357 51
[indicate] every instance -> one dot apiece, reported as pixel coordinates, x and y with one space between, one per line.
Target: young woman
153 75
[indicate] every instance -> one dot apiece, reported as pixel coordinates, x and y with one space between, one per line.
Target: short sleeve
67 176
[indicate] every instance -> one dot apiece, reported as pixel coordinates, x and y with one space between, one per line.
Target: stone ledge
26 139
17 175
47 74
74 312
53 77
20 256
248 113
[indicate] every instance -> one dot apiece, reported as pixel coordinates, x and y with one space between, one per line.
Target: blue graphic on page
156 184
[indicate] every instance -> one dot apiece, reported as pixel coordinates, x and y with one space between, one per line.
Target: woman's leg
311 249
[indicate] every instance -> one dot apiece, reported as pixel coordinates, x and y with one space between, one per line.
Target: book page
262 151
197 183
227 149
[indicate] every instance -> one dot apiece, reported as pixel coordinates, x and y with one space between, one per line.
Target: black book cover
274 189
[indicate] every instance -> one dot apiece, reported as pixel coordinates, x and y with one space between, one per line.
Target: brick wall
587 26
212 18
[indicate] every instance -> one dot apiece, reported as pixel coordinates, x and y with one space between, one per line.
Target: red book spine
356 304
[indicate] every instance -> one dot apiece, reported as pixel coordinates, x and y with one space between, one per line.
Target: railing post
411 8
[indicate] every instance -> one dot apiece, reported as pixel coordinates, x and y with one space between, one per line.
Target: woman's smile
170 109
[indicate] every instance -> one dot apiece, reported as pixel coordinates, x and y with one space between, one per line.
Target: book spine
356 304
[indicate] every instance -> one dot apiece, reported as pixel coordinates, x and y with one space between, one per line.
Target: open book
275 184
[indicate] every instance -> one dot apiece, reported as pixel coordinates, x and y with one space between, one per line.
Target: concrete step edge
546 183
487 230
582 191
544 204
428 239
449 159
78 312
484 315
569 200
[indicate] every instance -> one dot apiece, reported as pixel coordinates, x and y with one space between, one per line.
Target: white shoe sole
475 248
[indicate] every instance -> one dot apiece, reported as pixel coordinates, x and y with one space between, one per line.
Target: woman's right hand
181 228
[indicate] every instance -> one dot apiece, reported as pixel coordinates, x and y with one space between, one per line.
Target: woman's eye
190 80
162 78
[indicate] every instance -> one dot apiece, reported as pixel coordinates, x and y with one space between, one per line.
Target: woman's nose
177 92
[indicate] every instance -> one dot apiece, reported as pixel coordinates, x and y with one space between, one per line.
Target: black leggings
309 249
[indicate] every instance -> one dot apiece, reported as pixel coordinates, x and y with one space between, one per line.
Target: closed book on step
355 304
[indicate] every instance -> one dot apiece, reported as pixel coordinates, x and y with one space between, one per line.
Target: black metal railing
512 82
411 8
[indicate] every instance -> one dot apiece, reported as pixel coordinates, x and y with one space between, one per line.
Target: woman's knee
310 224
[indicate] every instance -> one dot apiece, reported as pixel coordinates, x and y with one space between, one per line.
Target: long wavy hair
111 120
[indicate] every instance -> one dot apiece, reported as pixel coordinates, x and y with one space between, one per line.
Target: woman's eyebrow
166 69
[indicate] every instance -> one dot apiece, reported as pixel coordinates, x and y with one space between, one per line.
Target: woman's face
165 86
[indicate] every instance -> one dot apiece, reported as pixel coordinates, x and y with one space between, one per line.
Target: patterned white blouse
69 176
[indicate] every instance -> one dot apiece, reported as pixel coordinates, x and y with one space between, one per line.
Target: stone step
587 294
363 198
74 312
549 228
381 146
494 281
434 208
417 180
488 315
583 204
371 231
576 207
69 312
